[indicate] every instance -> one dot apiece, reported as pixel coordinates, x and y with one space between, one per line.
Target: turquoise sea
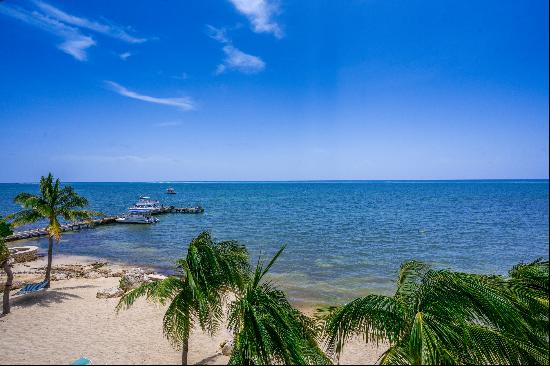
344 239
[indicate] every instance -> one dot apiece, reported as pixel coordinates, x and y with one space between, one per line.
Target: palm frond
410 276
5 228
376 317
269 265
24 217
78 215
28 200
533 276
68 198
234 264
430 345
156 291
268 329
396 355
178 319
450 317
489 346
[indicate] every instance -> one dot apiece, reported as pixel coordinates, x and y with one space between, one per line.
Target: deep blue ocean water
344 239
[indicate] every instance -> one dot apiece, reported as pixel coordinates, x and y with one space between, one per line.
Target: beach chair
82 361
32 287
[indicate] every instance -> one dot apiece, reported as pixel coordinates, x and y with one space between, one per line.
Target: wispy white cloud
124 56
110 30
240 61
235 59
183 103
67 27
168 124
74 42
260 13
219 34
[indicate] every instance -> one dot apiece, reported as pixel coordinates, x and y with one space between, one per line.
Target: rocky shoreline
72 267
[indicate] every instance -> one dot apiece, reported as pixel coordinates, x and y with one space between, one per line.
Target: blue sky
273 90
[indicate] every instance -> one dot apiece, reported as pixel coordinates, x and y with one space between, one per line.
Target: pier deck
36 233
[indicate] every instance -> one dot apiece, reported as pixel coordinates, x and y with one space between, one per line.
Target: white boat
137 217
170 191
146 204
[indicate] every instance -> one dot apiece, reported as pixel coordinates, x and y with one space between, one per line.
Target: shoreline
83 325
28 272
307 305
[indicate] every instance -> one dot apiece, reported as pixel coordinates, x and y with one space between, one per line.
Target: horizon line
300 181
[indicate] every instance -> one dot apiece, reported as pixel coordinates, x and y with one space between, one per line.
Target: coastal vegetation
53 202
267 329
434 317
445 317
208 272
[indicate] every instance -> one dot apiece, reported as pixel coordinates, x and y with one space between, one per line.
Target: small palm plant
208 272
52 203
442 317
268 329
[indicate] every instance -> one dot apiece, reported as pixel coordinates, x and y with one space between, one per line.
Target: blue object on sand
32 287
82 361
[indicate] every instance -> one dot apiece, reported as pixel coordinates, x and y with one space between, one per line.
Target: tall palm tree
5 230
196 295
268 329
52 203
441 317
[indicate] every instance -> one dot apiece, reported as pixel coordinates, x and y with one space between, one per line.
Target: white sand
66 322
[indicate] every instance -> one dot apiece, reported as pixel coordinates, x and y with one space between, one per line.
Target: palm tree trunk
50 255
184 351
7 287
185 344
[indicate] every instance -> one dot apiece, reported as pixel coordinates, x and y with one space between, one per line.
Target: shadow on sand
45 298
208 360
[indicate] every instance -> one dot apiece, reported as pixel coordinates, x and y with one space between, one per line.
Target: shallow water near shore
344 239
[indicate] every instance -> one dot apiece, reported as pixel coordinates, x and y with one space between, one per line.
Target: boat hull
123 220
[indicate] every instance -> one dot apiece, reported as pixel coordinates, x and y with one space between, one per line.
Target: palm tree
53 202
5 230
442 317
532 277
268 329
207 273
528 283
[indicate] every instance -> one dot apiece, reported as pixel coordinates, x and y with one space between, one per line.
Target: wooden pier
36 233
172 209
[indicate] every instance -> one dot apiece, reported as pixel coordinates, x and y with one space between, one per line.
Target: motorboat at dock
137 217
146 204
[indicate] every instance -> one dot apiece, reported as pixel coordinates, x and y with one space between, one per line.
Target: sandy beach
67 322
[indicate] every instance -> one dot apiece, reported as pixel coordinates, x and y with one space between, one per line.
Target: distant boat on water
170 191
